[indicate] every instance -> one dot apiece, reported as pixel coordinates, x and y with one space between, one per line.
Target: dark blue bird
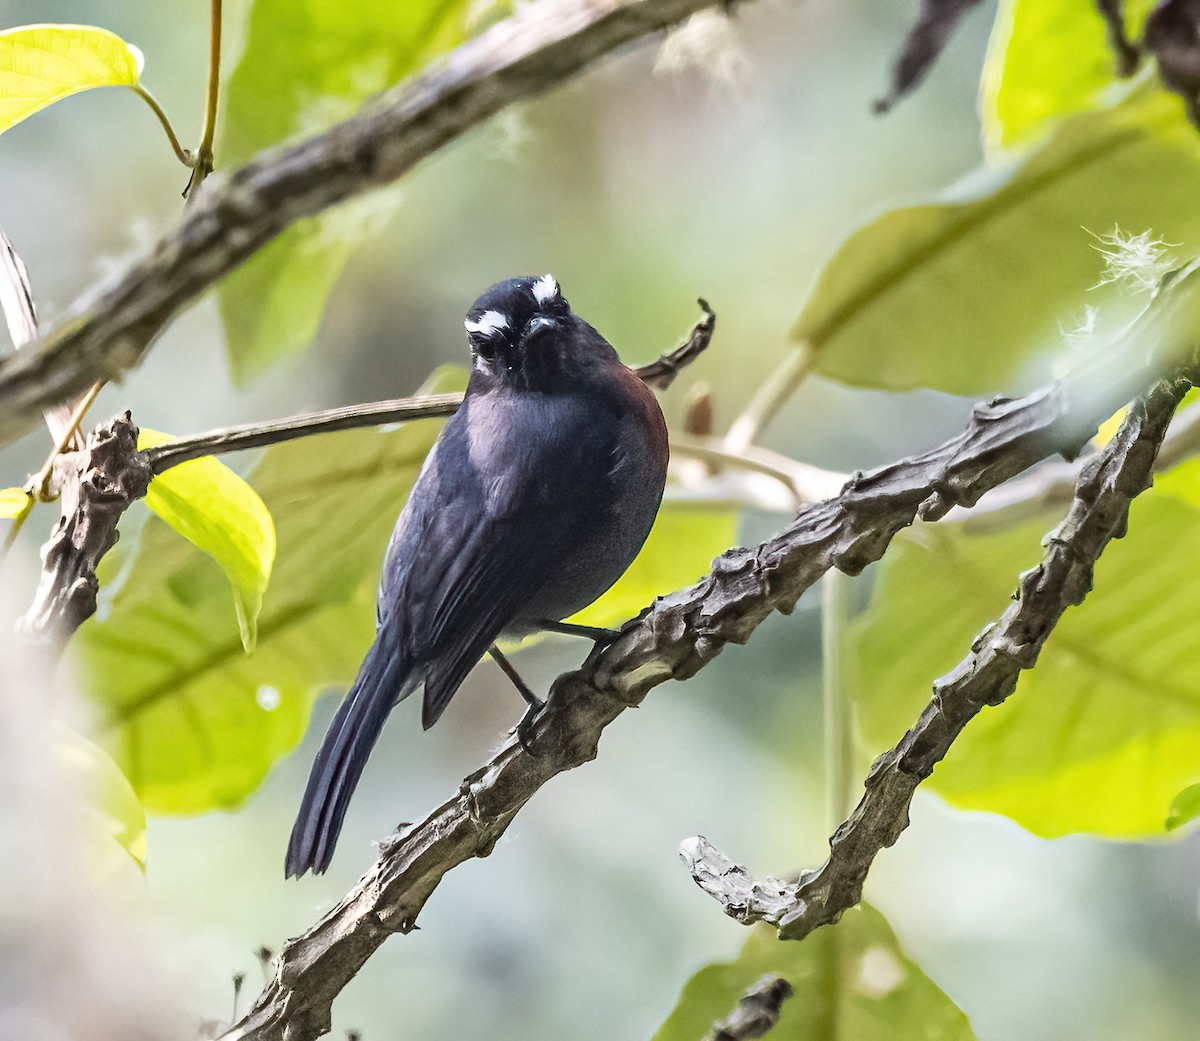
536 498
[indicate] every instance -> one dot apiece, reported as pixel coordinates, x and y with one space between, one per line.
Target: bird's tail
381 682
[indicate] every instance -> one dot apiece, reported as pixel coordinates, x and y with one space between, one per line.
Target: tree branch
1099 512
676 637
110 329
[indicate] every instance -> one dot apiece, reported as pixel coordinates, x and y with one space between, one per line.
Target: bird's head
523 334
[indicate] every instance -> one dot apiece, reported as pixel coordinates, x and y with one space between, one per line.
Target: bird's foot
524 729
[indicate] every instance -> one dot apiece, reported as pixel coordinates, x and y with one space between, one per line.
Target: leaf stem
771 397
39 484
181 153
204 154
839 749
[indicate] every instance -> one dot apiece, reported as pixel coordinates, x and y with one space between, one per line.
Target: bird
535 499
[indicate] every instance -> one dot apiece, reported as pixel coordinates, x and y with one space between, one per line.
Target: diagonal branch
540 46
1099 512
676 637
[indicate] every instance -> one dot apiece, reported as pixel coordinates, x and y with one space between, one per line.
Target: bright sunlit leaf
42 64
1046 61
219 513
852 982
13 502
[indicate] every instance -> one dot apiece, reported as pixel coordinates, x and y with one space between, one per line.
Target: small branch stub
757 1011
111 475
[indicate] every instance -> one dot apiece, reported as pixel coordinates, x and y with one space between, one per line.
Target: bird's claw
524 729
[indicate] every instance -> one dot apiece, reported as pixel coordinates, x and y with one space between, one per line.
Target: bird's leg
602 637
535 703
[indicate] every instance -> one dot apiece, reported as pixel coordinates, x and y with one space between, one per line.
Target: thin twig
257 435
662 373
39 485
108 332
988 674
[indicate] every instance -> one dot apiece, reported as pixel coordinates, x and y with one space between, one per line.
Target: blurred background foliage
918 259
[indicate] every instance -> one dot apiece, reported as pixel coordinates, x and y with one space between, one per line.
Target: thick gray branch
674 639
109 331
986 676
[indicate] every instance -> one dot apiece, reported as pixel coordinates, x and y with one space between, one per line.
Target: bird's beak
536 329
538 324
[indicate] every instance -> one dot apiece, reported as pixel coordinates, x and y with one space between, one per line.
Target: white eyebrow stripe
545 289
488 324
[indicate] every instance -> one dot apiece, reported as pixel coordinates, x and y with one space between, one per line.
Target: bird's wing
476 550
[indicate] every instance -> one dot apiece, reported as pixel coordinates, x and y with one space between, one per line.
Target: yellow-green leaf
42 64
1046 61
219 513
13 502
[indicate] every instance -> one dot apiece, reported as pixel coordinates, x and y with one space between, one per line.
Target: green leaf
1104 732
219 513
1046 61
1185 807
852 982
13 502
966 293
42 64
681 547
304 67
113 808
194 722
